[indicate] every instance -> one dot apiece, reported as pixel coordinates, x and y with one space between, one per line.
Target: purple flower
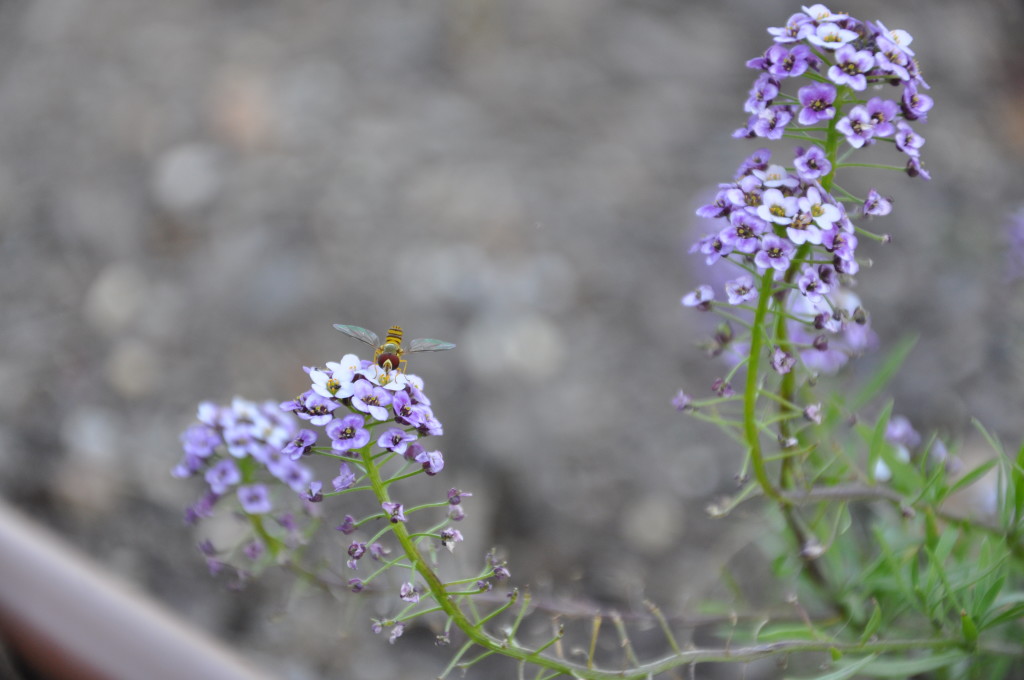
876 204
255 499
432 461
408 413
700 298
812 164
850 67
740 289
347 433
857 126
254 550
744 232
777 207
817 101
199 440
914 168
776 177
300 445
408 593
811 285
396 632
782 361
914 104
908 141
775 253
449 537
882 112
763 92
316 409
394 511
830 36
222 476
813 413
294 475
395 439
345 478
794 62
371 399
755 161
683 402
356 586
347 526
455 496
796 28
771 123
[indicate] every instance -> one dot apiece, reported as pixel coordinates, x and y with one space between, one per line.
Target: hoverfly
388 354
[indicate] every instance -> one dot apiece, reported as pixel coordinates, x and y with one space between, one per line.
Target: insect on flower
388 354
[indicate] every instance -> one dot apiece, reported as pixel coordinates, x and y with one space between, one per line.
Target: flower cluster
783 225
842 56
249 450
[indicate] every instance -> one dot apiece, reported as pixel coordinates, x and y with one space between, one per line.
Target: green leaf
786 631
970 630
847 670
973 476
884 374
873 623
904 668
1014 612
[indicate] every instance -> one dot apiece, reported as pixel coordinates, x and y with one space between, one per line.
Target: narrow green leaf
884 374
904 668
973 476
873 623
847 670
786 631
1014 612
1017 479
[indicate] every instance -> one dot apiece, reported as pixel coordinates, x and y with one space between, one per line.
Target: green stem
750 396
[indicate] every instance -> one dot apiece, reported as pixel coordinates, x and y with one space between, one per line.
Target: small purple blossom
915 105
449 537
255 499
811 285
370 398
744 232
300 444
395 439
850 67
396 632
771 123
775 253
817 101
455 496
347 433
782 361
908 141
700 298
830 36
763 92
876 204
316 409
882 113
857 126
812 164
394 511
432 461
796 28
222 476
813 413
740 289
345 478
409 593
347 526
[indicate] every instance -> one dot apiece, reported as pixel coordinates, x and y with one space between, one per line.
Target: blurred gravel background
193 191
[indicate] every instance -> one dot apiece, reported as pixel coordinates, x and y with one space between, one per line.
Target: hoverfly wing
359 333
429 345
